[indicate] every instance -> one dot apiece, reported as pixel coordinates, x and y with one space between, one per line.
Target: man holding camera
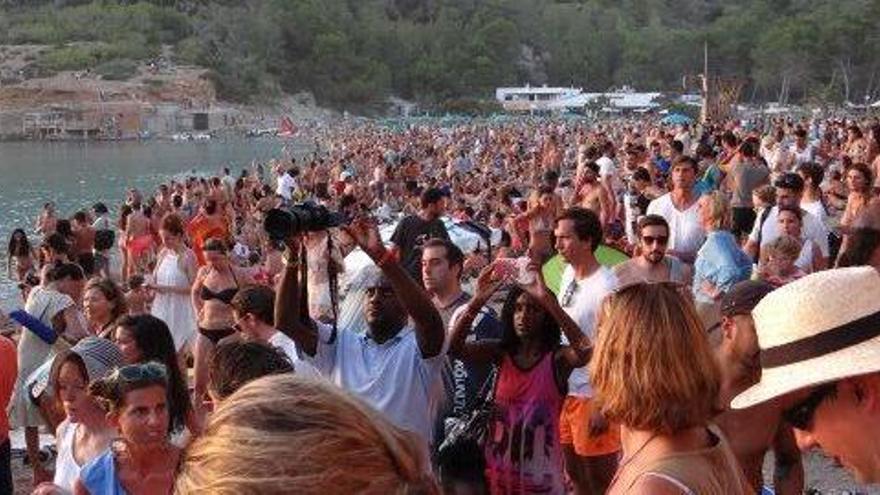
396 366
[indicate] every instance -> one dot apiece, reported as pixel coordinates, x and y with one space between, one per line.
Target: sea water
75 175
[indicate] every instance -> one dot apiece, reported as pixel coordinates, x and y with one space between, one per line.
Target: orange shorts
574 429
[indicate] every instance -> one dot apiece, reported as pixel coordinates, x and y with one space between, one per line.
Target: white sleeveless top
66 468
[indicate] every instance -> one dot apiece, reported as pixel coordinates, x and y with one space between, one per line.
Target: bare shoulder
624 272
651 484
202 272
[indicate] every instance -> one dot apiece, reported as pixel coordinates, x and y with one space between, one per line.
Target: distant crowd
529 307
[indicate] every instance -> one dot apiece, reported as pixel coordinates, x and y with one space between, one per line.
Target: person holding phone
523 453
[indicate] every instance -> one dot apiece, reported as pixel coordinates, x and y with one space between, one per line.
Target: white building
540 99
559 99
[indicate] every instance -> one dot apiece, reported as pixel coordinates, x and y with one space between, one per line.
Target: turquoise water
76 175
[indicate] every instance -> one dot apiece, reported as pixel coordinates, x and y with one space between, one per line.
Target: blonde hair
766 194
720 210
653 367
785 246
287 434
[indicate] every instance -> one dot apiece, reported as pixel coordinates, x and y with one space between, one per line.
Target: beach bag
470 430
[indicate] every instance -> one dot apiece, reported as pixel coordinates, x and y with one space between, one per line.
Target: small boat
273 131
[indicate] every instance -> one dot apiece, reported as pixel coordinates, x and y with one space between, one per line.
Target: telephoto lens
303 217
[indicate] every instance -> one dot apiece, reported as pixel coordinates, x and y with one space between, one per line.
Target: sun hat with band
819 329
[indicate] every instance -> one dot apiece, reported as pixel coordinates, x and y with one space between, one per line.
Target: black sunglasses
801 414
649 239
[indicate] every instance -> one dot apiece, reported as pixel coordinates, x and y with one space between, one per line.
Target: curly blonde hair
653 367
286 434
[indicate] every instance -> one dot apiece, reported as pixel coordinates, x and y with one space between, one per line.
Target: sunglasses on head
568 295
801 414
140 372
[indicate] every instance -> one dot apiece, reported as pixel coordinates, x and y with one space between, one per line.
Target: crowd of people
437 311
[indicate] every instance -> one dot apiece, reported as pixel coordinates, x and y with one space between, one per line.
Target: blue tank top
99 475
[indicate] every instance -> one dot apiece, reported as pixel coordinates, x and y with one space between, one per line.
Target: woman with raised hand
522 451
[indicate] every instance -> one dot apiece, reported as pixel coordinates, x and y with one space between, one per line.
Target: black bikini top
225 296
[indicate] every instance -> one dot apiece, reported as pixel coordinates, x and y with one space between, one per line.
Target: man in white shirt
589 444
287 184
789 190
801 150
227 180
608 173
684 136
679 208
253 308
396 366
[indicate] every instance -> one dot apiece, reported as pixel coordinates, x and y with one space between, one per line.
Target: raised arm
430 333
477 351
288 303
579 349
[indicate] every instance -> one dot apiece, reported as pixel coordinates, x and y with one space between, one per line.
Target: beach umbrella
676 119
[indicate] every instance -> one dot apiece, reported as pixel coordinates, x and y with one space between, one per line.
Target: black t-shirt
409 236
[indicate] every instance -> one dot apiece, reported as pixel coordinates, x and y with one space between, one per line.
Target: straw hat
819 329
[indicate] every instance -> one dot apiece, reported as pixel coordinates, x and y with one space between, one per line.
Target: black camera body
280 223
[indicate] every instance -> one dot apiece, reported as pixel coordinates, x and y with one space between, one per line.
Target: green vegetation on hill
357 52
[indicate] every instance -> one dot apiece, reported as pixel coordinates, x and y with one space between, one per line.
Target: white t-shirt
685 139
102 223
813 230
392 377
606 166
817 210
583 308
300 366
802 156
805 259
686 233
286 186
228 182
